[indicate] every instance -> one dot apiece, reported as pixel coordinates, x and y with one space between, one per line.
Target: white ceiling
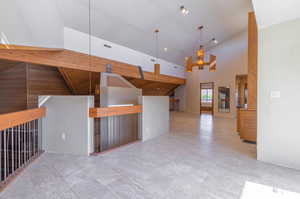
276 11
131 22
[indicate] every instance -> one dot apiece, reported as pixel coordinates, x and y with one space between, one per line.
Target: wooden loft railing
115 111
20 142
14 119
62 58
119 126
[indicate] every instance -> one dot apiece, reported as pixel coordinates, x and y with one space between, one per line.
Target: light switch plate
63 136
275 94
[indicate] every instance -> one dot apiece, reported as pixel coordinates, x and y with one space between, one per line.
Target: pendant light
200 62
201 51
156 65
90 46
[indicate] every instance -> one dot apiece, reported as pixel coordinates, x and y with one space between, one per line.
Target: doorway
207 98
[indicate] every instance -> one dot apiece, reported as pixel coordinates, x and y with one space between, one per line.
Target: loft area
183 101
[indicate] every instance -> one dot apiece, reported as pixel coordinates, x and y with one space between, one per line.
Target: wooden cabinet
247 124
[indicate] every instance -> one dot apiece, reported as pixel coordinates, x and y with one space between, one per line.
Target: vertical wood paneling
44 81
13 91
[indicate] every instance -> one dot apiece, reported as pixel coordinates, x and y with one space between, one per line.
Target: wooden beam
114 111
17 47
80 61
67 79
157 69
172 90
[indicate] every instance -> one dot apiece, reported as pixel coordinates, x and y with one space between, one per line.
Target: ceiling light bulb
200 62
184 11
200 53
215 41
165 49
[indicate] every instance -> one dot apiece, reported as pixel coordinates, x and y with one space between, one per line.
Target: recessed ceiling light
165 49
184 11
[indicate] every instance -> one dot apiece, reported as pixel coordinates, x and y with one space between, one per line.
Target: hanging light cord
157 47
90 47
198 44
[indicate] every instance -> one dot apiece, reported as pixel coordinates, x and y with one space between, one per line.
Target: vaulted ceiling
131 22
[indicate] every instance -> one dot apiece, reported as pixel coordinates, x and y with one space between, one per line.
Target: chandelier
200 61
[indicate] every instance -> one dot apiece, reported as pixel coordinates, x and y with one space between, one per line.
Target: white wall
155 117
279 71
78 41
119 96
276 11
231 61
180 93
31 23
67 128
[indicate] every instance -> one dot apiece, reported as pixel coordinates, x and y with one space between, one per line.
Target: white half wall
278 94
155 117
232 57
67 127
79 41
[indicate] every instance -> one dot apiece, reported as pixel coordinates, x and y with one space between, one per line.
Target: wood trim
252 61
18 47
14 119
114 111
213 97
80 61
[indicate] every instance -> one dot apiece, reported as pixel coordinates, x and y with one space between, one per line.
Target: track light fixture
184 10
215 41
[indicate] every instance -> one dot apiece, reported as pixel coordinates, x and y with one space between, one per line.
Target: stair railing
20 141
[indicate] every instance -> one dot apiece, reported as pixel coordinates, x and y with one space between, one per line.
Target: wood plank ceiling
152 88
80 82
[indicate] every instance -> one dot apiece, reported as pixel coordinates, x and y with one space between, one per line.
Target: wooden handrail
115 111
10 120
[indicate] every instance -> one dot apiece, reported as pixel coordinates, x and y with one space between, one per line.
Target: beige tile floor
201 158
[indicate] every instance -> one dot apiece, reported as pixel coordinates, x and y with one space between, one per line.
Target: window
206 95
